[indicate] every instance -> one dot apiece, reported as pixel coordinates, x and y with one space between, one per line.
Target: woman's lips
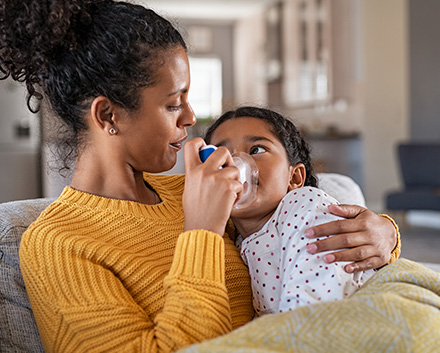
178 144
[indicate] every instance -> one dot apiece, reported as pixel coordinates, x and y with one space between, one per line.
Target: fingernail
349 268
311 248
334 208
309 233
329 258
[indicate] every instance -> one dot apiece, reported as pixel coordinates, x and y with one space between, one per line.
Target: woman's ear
102 115
297 176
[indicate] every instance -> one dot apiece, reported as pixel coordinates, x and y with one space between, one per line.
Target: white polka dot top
284 275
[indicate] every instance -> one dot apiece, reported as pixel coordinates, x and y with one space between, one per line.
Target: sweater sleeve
197 304
397 249
81 306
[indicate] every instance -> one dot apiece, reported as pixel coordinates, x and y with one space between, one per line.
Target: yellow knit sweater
119 276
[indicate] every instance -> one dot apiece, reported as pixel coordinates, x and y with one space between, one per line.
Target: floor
421 244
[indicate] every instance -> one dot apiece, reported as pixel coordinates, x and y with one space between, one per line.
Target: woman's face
254 137
154 133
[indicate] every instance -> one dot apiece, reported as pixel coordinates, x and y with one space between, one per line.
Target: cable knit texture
112 275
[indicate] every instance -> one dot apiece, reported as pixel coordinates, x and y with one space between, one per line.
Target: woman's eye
257 150
175 108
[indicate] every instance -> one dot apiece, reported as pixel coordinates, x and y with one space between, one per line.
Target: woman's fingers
220 158
191 152
361 258
365 265
341 241
359 253
365 239
211 188
342 226
346 211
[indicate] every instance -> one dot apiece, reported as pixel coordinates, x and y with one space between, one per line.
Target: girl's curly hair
297 149
76 50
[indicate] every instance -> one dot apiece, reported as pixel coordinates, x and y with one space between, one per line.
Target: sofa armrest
18 330
342 188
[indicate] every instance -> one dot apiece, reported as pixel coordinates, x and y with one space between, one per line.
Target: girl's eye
257 150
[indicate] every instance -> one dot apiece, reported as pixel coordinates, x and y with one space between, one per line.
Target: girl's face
254 137
154 133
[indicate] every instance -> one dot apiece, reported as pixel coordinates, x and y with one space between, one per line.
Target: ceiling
206 9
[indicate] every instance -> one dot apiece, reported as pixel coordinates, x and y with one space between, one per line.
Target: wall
370 88
19 144
371 63
425 74
381 85
385 94
222 35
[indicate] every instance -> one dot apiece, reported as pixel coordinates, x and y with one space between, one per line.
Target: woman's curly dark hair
77 50
297 149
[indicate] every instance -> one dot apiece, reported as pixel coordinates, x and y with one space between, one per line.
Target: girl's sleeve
306 278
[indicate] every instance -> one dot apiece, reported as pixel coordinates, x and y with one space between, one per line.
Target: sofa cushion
18 330
342 188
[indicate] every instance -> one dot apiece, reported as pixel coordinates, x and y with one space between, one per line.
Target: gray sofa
18 330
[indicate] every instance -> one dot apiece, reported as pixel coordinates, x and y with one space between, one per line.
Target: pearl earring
112 131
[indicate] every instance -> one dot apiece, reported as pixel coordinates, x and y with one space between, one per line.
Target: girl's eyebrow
248 138
258 138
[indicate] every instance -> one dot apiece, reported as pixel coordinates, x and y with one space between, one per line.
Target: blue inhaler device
248 174
206 151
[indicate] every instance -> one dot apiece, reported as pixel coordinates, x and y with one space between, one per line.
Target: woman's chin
162 169
166 164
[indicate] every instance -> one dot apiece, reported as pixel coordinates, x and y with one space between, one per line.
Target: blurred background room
359 77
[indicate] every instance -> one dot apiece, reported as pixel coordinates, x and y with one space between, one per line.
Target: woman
113 264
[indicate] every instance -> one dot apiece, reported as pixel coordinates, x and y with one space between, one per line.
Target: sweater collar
168 187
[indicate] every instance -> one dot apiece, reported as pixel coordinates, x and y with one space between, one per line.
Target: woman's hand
210 191
367 238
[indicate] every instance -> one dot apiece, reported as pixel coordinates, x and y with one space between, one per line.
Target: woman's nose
187 118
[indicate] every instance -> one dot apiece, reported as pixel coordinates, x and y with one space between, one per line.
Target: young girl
272 229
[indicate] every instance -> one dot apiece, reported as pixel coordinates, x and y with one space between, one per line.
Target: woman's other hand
366 238
211 188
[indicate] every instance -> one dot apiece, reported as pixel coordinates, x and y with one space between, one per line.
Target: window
205 93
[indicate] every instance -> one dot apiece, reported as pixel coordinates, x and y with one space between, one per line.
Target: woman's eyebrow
181 90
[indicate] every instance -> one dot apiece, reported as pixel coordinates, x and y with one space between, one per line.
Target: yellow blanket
397 310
